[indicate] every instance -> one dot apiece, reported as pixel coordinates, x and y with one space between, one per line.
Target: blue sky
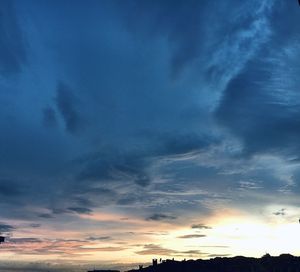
135 129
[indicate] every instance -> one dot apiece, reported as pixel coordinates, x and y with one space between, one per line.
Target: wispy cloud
191 236
160 217
200 226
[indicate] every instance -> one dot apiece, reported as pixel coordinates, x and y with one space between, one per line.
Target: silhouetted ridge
282 263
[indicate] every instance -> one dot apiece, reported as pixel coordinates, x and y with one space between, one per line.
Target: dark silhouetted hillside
282 263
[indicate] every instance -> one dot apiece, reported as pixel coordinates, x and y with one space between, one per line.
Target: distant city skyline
140 129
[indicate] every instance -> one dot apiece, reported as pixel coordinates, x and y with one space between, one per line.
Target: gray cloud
157 250
35 225
24 240
245 100
49 117
191 236
280 212
218 255
45 215
9 188
80 210
160 217
6 228
200 226
152 249
65 102
99 238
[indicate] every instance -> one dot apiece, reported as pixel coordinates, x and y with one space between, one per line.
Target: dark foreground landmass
282 263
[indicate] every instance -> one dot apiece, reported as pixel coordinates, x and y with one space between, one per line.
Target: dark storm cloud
66 105
262 118
110 166
179 21
80 210
83 201
156 82
91 196
12 45
6 227
284 31
113 165
49 117
59 211
9 188
127 200
160 217
45 215
138 117
185 26
259 104
185 143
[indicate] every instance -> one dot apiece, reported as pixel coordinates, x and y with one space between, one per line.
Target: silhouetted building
2 239
154 262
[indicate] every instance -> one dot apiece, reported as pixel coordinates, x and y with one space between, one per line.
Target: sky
138 129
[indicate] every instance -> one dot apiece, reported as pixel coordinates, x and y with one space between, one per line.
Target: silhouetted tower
2 239
154 262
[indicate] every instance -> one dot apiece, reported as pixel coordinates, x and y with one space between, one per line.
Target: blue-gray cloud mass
168 106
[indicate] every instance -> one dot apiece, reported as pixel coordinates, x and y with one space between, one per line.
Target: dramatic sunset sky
138 129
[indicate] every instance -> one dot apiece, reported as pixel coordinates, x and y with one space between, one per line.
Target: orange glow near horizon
234 233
